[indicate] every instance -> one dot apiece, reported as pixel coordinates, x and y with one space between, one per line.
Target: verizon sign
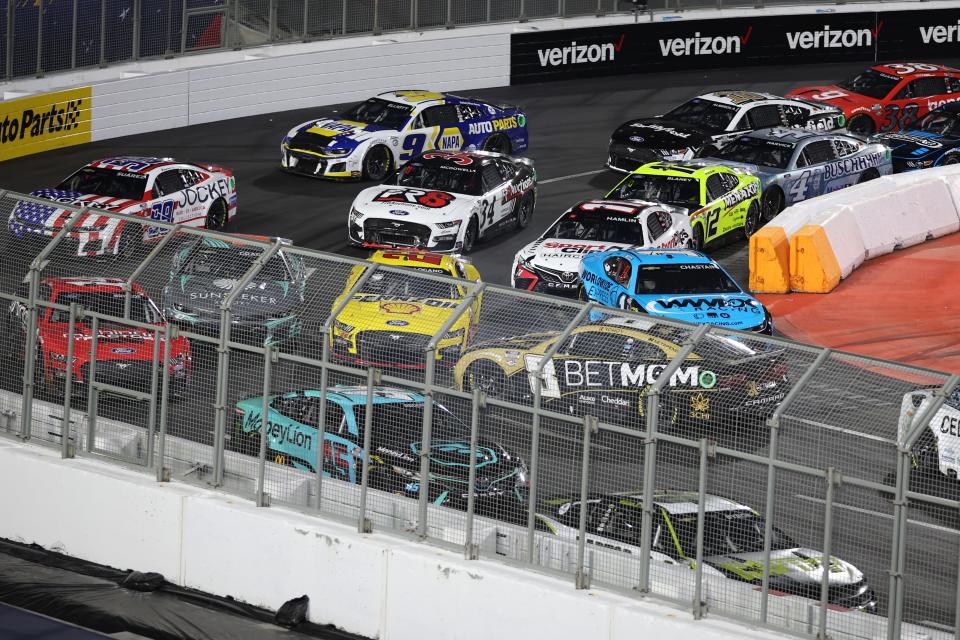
828 38
579 53
700 45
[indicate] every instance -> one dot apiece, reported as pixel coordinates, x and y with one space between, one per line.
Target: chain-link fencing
768 481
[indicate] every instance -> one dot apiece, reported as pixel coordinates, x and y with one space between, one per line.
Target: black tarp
92 596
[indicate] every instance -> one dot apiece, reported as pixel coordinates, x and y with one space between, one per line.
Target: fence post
168 53
223 359
899 542
414 14
470 550
183 26
376 17
523 11
73 36
103 35
11 17
430 364
39 38
343 19
773 422
137 11
325 373
449 24
535 423
833 479
170 334
269 357
363 524
93 395
306 15
650 451
582 577
66 450
158 365
707 449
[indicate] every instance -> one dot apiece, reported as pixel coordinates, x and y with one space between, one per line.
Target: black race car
704 124
933 142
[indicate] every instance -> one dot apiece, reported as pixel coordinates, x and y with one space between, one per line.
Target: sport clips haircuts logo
700 45
580 53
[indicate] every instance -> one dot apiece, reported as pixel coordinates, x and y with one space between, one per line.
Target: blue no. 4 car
681 285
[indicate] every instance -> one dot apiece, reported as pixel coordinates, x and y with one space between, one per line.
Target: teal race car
292 439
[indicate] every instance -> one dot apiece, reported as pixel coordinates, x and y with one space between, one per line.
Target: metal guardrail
48 36
736 459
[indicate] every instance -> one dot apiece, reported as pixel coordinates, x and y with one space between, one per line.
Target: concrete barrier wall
813 245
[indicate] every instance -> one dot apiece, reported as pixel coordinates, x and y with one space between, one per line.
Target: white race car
155 188
444 201
551 262
937 450
732 542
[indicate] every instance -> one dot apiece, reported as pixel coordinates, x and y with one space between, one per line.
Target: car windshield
440 177
106 182
383 113
655 279
611 228
940 122
231 263
684 192
402 422
870 83
766 153
726 533
392 285
107 303
707 114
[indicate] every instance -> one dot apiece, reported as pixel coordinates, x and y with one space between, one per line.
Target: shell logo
404 308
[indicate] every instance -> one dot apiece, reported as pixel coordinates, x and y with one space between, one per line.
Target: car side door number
713 217
486 213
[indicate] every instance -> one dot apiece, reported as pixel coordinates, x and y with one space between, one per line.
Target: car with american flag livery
161 189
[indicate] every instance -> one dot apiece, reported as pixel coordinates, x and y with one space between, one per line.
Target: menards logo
700 45
828 38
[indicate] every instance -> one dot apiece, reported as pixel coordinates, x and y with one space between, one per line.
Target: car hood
204 295
317 135
367 311
661 134
799 565
845 101
731 310
56 216
564 255
404 205
114 342
450 460
916 145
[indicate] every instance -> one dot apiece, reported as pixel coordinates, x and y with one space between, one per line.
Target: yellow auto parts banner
44 122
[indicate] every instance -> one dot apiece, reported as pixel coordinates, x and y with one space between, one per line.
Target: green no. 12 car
720 200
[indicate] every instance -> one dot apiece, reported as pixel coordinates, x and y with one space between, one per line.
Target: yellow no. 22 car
390 320
720 199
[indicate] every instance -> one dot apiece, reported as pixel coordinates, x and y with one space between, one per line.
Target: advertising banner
40 123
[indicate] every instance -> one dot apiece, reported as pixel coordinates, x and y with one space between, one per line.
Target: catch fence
734 473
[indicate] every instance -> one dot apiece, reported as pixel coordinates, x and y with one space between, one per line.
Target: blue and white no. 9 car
794 164
681 285
371 138
932 142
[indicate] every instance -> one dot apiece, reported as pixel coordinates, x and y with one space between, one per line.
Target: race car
720 200
394 455
390 320
732 542
677 284
153 188
705 123
551 262
205 271
888 97
606 368
124 353
444 201
373 137
937 450
934 141
794 165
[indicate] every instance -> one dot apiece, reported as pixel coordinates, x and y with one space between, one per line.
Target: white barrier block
843 231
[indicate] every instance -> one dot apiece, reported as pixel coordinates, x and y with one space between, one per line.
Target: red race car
888 97
124 352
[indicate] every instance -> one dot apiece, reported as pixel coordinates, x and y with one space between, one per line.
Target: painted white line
848 507
849 432
573 175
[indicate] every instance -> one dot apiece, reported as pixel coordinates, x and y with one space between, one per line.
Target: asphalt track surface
570 123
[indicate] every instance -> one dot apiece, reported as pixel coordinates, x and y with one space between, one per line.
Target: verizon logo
940 34
580 53
703 45
828 38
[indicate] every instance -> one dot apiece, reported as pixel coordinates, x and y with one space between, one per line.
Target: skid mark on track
572 175
886 516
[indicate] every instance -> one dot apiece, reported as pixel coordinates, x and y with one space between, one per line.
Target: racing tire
470 236
524 212
868 175
752 222
487 377
582 294
498 143
218 216
861 126
377 163
696 239
954 159
772 204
